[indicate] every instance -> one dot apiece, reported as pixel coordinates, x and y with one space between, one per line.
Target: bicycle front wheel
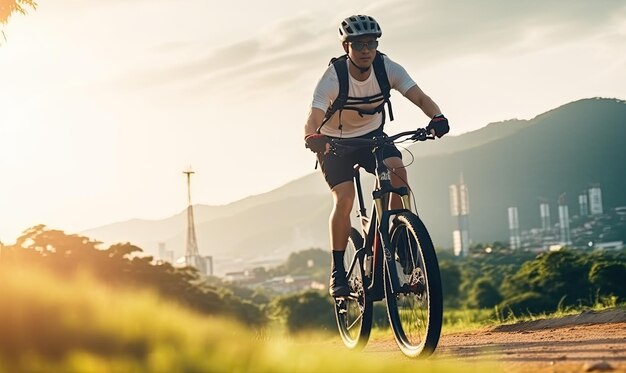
354 313
415 309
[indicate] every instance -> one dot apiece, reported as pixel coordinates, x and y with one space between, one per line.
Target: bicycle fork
390 269
381 262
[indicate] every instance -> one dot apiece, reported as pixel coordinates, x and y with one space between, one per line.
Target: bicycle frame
376 272
377 238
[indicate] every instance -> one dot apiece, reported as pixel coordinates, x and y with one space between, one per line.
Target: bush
305 311
554 275
379 316
121 266
608 278
484 294
527 303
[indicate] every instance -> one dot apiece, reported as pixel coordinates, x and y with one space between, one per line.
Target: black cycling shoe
338 284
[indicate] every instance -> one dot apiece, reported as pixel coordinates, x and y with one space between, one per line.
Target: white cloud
427 32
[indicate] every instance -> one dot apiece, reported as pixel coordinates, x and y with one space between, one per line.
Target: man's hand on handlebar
438 126
318 143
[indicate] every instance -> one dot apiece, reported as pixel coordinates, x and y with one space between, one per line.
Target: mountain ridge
509 163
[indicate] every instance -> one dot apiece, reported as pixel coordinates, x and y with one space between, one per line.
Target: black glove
439 123
316 142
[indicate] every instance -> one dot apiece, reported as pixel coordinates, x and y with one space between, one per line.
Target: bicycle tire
415 310
354 313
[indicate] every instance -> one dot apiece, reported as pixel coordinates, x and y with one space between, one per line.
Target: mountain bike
390 257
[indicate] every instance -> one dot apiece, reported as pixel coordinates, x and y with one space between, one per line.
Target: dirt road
590 342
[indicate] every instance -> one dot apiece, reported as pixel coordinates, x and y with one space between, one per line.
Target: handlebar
339 146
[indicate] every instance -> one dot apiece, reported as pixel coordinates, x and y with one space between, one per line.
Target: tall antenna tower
192 255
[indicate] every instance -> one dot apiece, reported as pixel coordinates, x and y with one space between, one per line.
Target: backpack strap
383 82
341 68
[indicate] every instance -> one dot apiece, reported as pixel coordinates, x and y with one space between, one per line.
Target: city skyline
554 236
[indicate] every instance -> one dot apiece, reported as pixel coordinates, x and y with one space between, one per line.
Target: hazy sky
103 104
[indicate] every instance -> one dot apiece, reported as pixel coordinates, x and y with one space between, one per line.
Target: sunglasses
359 45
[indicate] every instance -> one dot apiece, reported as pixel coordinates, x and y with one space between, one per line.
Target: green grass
454 321
601 304
461 320
49 324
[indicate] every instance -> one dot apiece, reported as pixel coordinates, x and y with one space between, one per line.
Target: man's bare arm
314 120
423 101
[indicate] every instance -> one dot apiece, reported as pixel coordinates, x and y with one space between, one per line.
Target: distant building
239 277
208 260
595 200
515 240
564 221
459 206
162 250
583 203
164 254
603 231
614 245
544 210
291 284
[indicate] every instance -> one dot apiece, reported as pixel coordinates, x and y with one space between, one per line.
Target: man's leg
339 228
398 179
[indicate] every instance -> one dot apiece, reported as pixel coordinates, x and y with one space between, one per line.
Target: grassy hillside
52 324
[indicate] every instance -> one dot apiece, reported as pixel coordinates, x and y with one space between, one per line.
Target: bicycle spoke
356 321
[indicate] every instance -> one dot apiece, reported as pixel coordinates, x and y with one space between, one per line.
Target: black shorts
337 170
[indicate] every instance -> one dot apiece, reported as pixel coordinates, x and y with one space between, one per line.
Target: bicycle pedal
343 298
340 304
353 296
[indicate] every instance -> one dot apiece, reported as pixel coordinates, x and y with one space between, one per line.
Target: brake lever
338 149
420 135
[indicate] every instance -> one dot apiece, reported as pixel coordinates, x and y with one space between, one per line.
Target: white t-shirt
353 124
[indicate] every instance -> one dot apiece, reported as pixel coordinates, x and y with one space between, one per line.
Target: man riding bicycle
360 113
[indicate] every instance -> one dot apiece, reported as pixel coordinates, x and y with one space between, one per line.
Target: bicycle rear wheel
415 309
354 313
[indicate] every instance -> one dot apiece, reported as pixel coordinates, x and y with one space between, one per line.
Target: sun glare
12 130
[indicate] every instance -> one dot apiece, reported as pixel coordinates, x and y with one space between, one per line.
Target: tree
526 303
560 276
608 278
305 311
450 281
121 265
8 7
484 294
314 263
303 260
